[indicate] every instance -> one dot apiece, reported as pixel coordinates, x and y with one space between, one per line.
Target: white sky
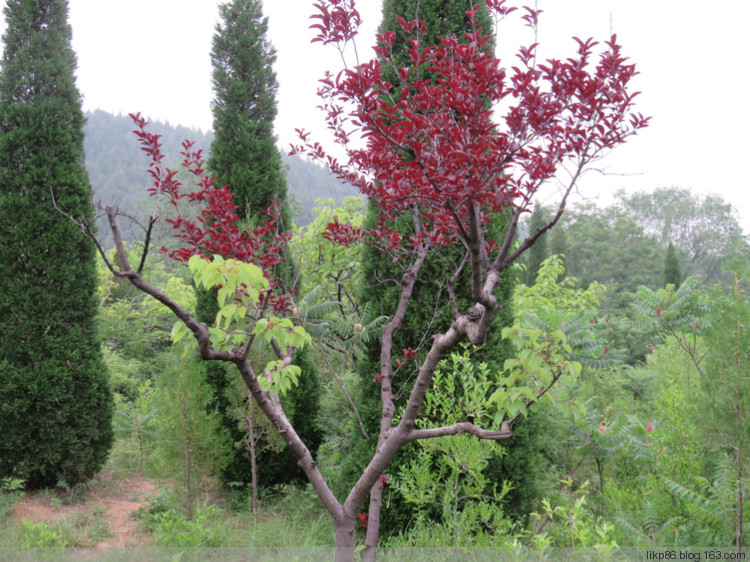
152 56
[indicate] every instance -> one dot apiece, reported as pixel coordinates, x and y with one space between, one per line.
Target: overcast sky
152 56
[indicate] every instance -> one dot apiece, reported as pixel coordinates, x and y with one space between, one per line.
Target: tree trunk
738 536
600 469
253 460
186 443
345 540
373 522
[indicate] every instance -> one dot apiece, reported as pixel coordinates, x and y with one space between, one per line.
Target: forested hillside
116 165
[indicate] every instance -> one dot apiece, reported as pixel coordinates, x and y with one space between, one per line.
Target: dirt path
118 500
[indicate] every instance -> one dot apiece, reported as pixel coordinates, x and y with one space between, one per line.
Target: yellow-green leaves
553 317
279 377
282 331
233 278
239 290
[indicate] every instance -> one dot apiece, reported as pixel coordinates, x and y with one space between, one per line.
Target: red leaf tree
459 138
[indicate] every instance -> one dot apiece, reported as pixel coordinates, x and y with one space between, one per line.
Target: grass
291 519
81 529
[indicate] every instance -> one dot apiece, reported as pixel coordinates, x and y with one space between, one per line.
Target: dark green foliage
539 251
672 271
442 19
244 153
55 401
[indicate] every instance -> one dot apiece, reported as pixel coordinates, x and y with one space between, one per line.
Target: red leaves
339 21
363 519
215 230
409 353
342 234
431 146
658 310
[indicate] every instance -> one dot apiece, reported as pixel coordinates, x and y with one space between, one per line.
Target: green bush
10 493
173 529
39 535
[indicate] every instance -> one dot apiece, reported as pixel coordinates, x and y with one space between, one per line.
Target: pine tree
244 155
672 271
55 400
430 306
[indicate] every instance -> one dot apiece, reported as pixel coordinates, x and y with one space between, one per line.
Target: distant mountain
117 166
307 182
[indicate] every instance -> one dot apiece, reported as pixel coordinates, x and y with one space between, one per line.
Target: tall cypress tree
55 400
244 155
539 251
430 306
672 270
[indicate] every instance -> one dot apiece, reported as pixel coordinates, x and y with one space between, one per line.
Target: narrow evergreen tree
55 400
244 155
539 251
430 307
559 244
672 271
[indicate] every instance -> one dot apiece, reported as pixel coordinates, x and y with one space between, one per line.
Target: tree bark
345 539
253 459
186 444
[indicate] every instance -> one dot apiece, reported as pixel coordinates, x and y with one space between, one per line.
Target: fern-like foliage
669 309
346 330
709 505
647 527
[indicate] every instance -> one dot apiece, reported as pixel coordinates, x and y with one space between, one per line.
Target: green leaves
279 377
240 293
282 331
553 328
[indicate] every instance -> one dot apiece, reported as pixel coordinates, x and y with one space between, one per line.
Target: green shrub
173 529
10 493
39 535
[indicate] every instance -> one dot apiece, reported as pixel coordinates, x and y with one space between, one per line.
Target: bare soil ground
119 500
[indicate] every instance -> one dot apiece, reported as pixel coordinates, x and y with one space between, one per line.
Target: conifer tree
672 271
430 307
55 400
244 155
539 251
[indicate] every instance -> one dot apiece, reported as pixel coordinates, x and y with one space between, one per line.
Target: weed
40 535
10 493
76 494
173 529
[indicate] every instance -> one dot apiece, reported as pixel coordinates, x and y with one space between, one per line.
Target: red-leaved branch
431 144
217 230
